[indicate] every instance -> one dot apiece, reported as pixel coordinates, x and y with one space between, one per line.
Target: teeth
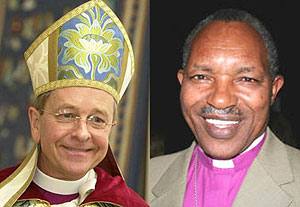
221 123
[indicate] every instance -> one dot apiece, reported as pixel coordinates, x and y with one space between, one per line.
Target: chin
221 155
221 151
76 171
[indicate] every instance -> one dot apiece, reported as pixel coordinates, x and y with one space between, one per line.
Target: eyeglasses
71 118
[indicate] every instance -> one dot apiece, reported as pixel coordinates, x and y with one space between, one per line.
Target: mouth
222 127
222 124
77 151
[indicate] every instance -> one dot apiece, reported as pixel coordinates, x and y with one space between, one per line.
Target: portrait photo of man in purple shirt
229 79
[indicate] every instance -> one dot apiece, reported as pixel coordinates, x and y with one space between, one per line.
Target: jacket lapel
268 172
171 186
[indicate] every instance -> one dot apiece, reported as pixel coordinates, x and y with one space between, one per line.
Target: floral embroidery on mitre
91 47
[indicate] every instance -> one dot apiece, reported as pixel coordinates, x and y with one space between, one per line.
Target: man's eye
248 79
198 77
67 116
96 119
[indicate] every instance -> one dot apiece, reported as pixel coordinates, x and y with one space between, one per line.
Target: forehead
234 39
81 98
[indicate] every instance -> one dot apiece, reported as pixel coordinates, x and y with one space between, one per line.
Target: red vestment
108 189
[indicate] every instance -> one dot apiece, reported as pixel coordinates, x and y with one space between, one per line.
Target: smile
221 123
222 127
77 151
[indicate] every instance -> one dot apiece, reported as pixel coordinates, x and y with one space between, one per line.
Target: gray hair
229 15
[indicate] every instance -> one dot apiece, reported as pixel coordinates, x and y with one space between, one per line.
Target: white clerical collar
57 186
229 163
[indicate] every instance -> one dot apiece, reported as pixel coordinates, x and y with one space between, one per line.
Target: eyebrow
243 69
101 111
202 67
66 106
246 69
94 110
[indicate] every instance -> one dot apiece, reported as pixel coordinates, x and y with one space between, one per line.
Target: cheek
101 141
258 102
47 130
51 134
190 95
192 100
102 148
187 99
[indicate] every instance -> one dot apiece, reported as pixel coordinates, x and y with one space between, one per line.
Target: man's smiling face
226 88
70 150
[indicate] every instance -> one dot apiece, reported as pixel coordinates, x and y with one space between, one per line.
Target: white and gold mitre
86 47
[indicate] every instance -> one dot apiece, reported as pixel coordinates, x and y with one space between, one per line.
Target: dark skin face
226 88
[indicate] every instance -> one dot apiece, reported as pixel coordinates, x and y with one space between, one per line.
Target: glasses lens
66 117
96 122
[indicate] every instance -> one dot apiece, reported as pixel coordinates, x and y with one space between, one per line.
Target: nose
81 131
222 94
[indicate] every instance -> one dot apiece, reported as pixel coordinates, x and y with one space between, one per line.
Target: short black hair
229 15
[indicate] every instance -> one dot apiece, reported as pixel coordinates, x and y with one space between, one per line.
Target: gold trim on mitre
16 184
76 82
43 41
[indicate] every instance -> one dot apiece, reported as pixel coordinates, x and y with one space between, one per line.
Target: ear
180 76
276 86
34 119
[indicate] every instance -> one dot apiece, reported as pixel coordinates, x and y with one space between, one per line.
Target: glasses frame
77 118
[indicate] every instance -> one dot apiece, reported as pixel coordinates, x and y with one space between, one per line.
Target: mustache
228 110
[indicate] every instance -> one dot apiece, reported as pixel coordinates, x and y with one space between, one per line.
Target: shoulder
108 186
293 188
7 172
294 158
292 154
160 164
287 159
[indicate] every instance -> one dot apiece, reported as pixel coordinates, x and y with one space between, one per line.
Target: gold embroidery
52 55
76 82
39 61
100 204
41 78
71 15
124 64
32 203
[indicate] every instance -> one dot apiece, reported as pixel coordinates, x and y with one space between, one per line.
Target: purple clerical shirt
54 198
211 186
